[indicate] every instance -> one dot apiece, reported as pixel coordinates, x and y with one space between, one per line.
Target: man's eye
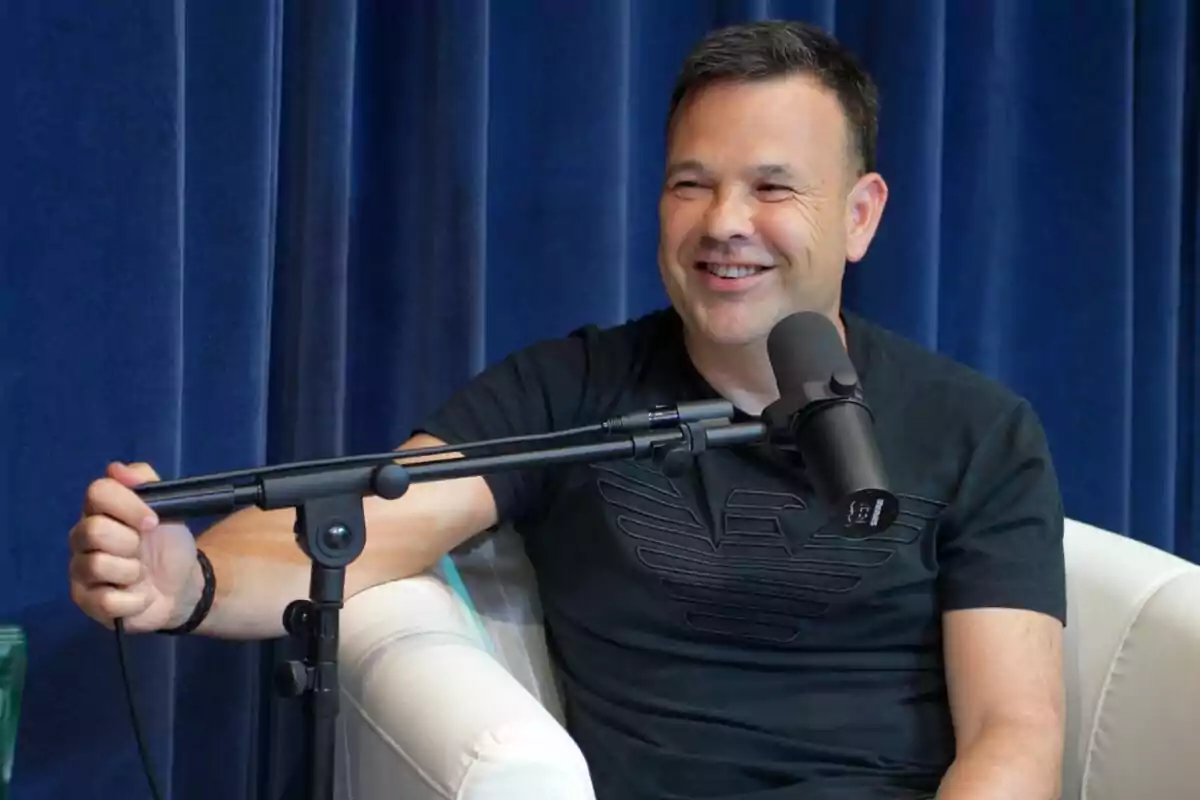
774 189
687 188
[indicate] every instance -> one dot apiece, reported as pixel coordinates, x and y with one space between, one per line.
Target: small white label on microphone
865 512
858 512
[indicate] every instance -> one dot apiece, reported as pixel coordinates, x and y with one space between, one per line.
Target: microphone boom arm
331 530
285 486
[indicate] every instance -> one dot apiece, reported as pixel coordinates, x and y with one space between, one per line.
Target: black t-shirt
715 639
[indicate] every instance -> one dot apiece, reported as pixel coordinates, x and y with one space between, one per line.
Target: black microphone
822 412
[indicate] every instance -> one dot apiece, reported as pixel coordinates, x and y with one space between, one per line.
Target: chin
732 328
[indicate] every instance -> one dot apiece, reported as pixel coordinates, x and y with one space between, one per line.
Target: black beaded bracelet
206 599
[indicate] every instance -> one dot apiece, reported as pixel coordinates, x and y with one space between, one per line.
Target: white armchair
429 712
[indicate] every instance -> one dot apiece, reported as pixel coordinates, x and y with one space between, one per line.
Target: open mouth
731 272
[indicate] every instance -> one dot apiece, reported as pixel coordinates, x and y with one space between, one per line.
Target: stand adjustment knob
337 536
293 678
297 617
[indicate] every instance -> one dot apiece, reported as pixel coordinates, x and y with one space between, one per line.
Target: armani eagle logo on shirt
767 562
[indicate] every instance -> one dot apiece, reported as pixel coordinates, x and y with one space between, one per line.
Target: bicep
532 392
1003 666
408 535
1003 583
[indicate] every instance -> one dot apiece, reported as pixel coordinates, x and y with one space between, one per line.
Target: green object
12 684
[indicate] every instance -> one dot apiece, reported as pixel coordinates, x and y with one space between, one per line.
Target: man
716 639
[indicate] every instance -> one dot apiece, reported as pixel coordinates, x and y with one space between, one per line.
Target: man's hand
1005 680
124 563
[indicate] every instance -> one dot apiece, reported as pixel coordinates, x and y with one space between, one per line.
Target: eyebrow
774 171
687 165
761 171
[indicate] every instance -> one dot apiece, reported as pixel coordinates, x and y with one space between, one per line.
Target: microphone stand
331 530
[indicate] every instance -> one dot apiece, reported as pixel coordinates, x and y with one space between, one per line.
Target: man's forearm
259 569
1007 761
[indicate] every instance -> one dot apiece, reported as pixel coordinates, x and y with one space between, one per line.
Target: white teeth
732 271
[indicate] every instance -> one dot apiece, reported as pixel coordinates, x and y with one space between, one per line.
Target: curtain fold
420 216
250 232
310 328
136 182
1163 124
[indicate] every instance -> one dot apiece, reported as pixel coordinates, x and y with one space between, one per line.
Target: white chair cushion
499 579
1133 641
428 713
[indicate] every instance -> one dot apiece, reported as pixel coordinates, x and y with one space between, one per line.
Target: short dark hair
776 48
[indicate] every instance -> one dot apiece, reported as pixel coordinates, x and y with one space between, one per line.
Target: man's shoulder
941 421
972 458
600 346
925 383
634 333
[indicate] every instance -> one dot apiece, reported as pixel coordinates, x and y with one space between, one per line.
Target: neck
741 373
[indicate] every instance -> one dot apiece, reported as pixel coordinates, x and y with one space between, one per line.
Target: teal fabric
454 579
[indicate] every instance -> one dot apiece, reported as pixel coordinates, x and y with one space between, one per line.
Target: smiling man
769 190
716 637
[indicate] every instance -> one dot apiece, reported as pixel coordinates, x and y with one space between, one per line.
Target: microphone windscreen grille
805 347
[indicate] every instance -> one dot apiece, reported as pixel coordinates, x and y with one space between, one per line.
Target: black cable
382 458
390 456
393 455
119 628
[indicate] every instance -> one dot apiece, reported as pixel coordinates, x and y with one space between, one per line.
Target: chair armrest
427 712
1134 628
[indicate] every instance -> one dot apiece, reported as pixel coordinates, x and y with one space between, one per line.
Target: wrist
194 601
188 598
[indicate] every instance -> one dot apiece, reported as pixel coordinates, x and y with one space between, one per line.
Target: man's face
761 207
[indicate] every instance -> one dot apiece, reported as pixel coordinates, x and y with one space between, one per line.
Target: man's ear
864 208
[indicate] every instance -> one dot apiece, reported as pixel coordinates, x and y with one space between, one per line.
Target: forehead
793 120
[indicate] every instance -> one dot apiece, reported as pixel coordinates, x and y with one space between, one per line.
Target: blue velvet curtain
250 231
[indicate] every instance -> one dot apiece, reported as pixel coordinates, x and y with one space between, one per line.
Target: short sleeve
1002 541
536 390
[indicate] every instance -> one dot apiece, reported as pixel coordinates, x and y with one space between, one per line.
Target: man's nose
729 217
